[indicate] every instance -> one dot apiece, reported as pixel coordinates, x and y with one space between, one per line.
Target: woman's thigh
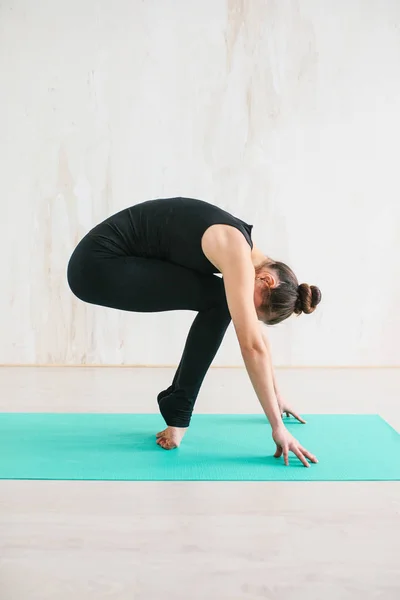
139 284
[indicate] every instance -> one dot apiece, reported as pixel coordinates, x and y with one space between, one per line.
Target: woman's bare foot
170 437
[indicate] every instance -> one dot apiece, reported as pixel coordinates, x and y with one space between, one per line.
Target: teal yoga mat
216 448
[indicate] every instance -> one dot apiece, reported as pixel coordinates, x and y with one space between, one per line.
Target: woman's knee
75 278
79 268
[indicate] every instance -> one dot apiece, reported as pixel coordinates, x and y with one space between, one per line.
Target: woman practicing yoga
162 255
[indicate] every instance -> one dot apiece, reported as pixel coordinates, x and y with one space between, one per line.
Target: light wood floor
199 540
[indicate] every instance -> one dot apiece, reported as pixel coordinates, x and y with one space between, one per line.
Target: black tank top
169 229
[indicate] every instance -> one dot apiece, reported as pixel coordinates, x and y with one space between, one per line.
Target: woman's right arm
231 254
229 251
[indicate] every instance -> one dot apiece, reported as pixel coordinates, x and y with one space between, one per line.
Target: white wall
284 112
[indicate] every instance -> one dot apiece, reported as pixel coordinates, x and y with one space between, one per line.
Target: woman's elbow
252 348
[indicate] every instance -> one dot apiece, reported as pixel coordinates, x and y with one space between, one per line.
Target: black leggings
101 276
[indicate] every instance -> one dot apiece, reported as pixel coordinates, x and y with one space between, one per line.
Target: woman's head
278 295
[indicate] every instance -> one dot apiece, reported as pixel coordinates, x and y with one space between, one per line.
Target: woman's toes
166 443
170 437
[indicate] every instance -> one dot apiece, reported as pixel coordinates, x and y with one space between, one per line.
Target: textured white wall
284 112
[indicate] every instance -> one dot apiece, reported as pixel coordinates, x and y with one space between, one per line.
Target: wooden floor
199 540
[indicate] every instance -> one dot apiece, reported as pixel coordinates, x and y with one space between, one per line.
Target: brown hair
289 297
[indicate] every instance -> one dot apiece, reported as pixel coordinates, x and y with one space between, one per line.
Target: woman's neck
258 258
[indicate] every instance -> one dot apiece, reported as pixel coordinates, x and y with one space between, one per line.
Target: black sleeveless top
168 229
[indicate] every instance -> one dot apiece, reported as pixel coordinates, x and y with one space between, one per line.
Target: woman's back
168 229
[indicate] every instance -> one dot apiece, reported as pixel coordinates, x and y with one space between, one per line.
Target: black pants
98 275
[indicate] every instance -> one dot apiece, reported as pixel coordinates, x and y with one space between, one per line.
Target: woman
162 255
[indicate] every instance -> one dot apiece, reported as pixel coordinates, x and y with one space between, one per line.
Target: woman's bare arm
229 252
284 407
268 346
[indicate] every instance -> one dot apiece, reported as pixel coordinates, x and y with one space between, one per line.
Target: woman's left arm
283 405
268 346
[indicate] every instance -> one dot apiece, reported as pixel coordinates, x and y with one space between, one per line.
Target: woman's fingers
298 417
302 453
308 454
285 452
289 412
286 443
286 455
296 450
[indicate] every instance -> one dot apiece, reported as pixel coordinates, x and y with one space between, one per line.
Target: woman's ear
270 279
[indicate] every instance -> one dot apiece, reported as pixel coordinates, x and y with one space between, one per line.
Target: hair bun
308 299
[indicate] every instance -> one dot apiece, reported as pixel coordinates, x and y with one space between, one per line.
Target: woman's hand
285 408
286 443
